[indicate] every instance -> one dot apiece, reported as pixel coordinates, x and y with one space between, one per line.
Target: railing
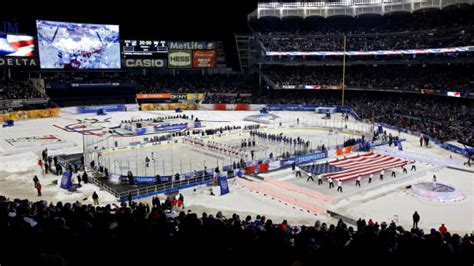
334 4
102 185
351 7
165 187
144 191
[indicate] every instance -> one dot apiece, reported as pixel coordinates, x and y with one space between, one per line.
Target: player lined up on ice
213 131
280 138
217 147
247 143
156 119
424 139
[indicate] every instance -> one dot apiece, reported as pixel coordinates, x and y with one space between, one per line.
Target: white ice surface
16 173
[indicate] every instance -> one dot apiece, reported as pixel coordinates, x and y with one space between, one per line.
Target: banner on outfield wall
171 96
31 114
143 96
204 58
231 107
195 96
168 106
132 107
180 59
107 108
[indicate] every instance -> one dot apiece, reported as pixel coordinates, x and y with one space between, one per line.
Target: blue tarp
66 180
222 181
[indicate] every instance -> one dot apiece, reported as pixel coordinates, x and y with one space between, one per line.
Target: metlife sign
191 45
179 58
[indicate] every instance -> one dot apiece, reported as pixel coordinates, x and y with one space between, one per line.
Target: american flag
363 165
16 45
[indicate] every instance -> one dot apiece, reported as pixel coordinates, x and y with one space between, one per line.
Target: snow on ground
243 201
399 204
19 184
381 203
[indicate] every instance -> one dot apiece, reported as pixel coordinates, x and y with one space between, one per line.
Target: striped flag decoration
16 45
364 165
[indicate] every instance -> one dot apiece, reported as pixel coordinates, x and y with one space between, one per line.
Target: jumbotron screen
64 45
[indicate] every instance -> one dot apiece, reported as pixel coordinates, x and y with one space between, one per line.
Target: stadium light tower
343 69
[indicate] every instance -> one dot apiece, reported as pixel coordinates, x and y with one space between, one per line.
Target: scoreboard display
144 48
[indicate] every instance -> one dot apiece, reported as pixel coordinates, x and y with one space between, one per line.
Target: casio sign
144 63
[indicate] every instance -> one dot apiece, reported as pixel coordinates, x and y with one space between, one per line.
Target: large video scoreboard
144 48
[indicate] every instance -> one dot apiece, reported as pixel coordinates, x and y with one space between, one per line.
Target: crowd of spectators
14 90
192 83
42 233
370 42
440 117
440 77
86 77
451 27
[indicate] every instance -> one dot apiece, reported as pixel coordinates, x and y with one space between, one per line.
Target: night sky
159 20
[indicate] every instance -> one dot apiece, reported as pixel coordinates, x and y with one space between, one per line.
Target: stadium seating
78 234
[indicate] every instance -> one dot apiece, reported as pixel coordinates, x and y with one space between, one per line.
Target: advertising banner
31 114
107 108
274 165
18 62
204 58
142 96
304 159
180 59
143 63
231 107
191 45
169 106
171 127
312 87
145 179
291 107
195 96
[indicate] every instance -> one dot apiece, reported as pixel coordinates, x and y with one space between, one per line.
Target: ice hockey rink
388 200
